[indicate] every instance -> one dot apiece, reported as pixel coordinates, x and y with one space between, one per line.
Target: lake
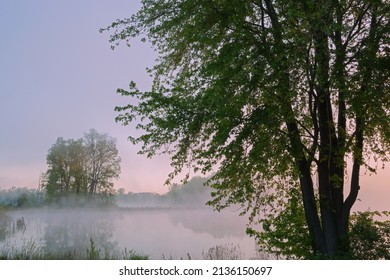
159 233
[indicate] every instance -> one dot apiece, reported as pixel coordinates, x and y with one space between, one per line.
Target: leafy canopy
272 95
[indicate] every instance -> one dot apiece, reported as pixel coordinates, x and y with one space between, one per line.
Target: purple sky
58 77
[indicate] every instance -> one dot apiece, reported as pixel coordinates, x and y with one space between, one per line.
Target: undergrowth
31 250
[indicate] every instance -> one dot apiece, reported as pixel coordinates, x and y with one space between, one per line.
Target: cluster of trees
78 170
83 167
279 96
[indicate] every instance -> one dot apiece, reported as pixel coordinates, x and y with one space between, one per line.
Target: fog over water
160 233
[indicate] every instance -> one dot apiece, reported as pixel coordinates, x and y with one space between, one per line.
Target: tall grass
31 250
223 252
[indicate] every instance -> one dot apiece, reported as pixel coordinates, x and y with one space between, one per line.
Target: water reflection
104 234
9 227
218 224
75 238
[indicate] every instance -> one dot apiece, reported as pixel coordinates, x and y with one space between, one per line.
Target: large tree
273 95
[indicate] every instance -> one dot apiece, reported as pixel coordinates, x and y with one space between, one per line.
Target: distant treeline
21 197
191 194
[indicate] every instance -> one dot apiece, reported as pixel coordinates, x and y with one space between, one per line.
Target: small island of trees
79 171
81 168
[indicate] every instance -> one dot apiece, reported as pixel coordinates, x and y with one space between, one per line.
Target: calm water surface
158 233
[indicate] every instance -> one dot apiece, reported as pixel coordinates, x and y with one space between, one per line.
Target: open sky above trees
58 78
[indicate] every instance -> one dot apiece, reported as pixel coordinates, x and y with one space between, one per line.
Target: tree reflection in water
74 240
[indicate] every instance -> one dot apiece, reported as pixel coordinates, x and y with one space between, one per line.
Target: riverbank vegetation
191 194
31 250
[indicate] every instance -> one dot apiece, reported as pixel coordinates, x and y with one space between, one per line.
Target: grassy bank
31 250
